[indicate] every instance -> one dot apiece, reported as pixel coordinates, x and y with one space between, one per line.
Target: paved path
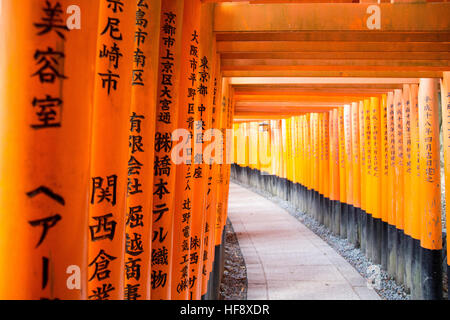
285 260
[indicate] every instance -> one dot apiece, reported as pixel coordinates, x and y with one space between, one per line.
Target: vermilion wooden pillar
283 161
228 124
430 193
356 161
362 148
317 173
335 164
445 96
407 181
313 166
367 225
320 190
210 169
183 155
351 221
392 230
202 121
300 202
47 81
384 173
217 138
398 183
375 124
303 159
164 182
139 215
221 196
342 173
331 169
309 125
416 290
110 139
326 168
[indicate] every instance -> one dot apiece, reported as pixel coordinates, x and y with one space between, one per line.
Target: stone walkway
285 260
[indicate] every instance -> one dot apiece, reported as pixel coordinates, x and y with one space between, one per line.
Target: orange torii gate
84 183
344 104
380 126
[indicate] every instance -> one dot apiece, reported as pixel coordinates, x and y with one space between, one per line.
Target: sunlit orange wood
356 155
445 103
140 163
316 152
166 122
184 194
332 81
320 154
341 46
373 35
319 89
362 148
283 160
384 159
343 98
375 123
226 122
391 157
330 55
368 158
45 147
321 17
326 155
308 150
407 142
228 125
331 155
415 162
430 194
109 162
334 72
280 111
348 154
363 63
211 207
399 159
202 119
342 155
334 156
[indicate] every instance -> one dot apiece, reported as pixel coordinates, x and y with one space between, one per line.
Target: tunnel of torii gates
117 121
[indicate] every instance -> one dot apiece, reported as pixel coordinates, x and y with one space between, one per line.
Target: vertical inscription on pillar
163 148
102 228
47 115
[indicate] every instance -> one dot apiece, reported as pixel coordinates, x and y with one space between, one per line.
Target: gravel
234 282
388 290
